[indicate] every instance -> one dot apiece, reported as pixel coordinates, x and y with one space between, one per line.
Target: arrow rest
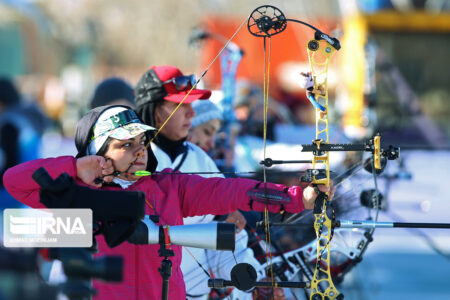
314 174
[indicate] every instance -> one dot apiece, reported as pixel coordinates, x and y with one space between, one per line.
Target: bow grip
321 197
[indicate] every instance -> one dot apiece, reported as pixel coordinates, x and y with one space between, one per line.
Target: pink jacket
172 197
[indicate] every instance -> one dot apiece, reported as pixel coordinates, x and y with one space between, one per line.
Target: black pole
166 272
268 162
365 224
421 225
221 283
166 265
283 284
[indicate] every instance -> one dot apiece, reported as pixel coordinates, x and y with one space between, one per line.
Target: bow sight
373 145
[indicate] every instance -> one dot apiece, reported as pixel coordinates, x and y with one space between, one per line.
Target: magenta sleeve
200 196
19 183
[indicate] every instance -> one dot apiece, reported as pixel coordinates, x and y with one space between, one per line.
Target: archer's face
124 152
178 126
204 135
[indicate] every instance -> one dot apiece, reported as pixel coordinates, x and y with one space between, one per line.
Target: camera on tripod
19 278
120 216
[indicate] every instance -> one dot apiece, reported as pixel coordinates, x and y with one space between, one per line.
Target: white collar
124 184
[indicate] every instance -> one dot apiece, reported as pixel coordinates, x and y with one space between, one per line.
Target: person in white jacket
155 101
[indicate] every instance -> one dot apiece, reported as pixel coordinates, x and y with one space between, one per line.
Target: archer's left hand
310 194
238 219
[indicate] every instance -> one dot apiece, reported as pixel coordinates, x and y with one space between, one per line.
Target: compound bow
266 21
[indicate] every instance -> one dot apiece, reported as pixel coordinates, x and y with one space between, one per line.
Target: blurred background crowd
391 76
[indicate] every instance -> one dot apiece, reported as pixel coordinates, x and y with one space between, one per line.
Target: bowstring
266 80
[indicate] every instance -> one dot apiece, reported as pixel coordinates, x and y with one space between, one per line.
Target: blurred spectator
205 124
108 92
205 133
113 91
21 127
249 109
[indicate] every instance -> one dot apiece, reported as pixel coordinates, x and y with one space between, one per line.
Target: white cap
117 122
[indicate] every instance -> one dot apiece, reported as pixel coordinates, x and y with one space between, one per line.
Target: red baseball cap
165 74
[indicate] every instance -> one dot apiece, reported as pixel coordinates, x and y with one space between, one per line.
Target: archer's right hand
91 167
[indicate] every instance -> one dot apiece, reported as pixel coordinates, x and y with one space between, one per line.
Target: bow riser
319 54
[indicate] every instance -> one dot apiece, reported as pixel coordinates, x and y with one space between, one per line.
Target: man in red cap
158 93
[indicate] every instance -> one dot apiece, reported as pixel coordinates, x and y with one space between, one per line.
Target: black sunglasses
182 83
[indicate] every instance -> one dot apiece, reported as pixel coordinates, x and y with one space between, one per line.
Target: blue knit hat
205 111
